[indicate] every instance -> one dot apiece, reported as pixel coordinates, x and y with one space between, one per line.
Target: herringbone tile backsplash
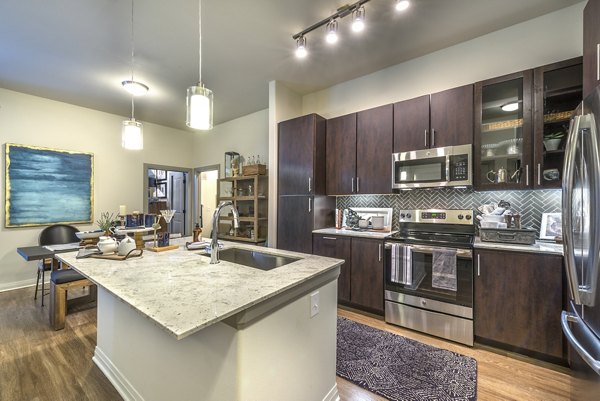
530 204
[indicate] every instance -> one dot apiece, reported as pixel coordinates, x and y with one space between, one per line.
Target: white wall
543 40
247 135
118 173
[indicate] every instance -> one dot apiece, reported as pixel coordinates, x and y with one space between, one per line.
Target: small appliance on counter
368 219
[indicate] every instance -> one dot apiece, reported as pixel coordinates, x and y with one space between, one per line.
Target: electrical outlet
314 304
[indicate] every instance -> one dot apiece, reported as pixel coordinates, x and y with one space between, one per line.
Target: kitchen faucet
214 245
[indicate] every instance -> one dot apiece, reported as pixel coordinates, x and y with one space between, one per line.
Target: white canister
377 222
126 245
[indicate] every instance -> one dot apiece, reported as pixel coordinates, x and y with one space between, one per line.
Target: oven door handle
464 253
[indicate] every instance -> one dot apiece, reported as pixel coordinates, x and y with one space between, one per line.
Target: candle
122 210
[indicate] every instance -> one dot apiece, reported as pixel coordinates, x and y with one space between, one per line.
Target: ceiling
78 51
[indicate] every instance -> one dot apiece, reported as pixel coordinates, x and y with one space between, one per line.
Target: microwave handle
448 168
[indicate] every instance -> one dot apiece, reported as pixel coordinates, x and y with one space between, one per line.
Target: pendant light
199 100
132 131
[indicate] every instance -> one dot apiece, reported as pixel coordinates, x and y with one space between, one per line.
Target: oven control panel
437 216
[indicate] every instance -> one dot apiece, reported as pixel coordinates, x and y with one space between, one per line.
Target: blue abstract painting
47 186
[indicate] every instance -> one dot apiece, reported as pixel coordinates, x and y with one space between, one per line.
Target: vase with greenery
105 222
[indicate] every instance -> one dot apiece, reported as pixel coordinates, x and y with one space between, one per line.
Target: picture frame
161 190
551 226
47 186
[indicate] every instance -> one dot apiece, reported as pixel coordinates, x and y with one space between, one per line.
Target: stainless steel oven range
429 273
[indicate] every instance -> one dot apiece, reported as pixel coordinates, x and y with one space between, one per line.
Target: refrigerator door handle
568 181
567 317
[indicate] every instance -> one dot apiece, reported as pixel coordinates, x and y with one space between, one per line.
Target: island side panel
144 362
290 356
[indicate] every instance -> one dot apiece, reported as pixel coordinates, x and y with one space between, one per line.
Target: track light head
358 19
402 5
331 37
301 47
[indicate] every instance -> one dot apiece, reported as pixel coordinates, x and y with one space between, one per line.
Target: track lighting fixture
358 19
301 47
357 10
402 5
331 28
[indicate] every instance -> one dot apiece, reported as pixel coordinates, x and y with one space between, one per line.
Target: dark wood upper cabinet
591 46
358 152
452 117
518 301
367 274
301 152
431 121
374 139
341 155
411 124
339 248
502 138
557 91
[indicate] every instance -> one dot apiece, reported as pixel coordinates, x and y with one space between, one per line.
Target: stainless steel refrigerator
581 234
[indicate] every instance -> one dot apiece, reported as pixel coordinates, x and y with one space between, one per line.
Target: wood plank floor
37 363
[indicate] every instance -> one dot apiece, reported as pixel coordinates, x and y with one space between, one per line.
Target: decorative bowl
89 234
552 144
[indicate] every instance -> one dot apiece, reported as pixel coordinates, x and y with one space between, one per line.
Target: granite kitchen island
171 326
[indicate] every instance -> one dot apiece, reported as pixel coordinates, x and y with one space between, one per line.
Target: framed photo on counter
551 226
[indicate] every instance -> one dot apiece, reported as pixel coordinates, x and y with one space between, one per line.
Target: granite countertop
183 293
539 247
352 233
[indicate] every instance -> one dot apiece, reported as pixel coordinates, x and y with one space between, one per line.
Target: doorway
206 180
169 187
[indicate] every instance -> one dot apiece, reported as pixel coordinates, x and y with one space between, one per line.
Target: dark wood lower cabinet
339 248
366 288
360 283
518 301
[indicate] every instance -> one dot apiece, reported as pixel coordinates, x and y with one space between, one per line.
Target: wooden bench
61 281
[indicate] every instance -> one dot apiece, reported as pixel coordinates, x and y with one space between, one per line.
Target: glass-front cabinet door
558 91
503 132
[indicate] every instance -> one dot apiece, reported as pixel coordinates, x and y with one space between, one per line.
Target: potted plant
552 141
105 222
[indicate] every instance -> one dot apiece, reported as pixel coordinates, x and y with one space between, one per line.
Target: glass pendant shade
199 103
132 135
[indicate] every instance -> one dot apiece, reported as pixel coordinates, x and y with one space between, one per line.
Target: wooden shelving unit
249 194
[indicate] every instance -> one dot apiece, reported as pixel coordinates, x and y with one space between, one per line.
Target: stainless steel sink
255 259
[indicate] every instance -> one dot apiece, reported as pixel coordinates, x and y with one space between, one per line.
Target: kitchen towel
444 269
401 264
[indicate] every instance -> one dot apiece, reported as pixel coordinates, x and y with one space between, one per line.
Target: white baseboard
15 285
121 384
333 394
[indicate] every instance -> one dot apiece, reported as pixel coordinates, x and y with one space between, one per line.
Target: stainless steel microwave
450 166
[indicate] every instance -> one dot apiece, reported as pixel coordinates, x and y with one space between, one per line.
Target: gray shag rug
398 368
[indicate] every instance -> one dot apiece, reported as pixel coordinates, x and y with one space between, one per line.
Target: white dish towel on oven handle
444 269
401 264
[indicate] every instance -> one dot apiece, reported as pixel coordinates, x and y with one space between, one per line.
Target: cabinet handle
425 138
380 252
352 184
539 174
330 238
309 205
357 184
478 265
432 138
527 174
597 61
309 186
